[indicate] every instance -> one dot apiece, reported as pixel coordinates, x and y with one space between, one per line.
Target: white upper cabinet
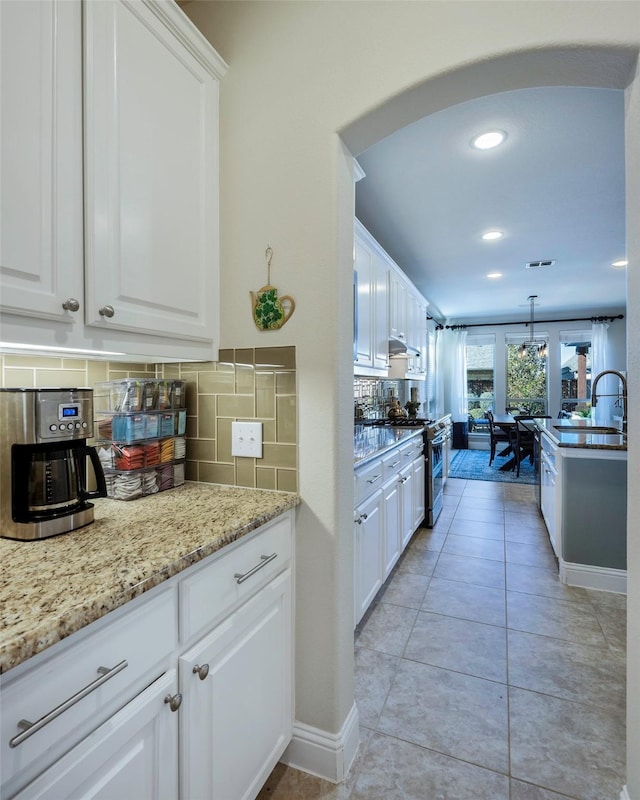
41 160
151 113
371 308
398 306
133 111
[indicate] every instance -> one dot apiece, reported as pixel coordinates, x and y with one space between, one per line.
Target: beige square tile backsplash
245 384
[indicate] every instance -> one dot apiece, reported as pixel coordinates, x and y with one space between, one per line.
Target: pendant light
542 347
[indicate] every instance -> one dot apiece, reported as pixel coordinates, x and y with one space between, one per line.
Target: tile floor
479 676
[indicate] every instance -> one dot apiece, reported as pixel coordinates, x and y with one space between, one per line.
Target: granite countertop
370 442
578 433
52 588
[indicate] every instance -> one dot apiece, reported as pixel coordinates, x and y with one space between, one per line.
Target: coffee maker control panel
59 421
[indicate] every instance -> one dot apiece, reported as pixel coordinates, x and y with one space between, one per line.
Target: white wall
632 127
299 73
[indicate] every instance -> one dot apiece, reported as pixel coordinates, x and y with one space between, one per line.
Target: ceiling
555 188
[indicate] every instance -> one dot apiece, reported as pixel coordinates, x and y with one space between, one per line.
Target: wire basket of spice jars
140 431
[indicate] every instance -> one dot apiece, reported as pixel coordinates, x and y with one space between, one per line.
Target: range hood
398 349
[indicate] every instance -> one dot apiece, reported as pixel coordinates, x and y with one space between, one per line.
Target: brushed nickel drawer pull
374 479
240 578
29 728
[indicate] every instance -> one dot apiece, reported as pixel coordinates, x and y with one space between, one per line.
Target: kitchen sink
587 429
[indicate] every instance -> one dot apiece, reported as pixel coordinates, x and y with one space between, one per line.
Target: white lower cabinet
186 692
406 480
368 557
419 470
392 538
385 518
236 682
133 755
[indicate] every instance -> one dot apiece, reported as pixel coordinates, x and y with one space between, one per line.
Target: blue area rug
473 465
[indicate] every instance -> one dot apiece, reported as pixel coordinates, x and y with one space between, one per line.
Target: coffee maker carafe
43 459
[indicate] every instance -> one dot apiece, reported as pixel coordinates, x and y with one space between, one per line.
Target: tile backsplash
244 384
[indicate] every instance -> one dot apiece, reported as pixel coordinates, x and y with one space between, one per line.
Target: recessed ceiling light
620 264
494 275
485 141
491 236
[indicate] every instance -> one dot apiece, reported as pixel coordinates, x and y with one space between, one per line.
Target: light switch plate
246 439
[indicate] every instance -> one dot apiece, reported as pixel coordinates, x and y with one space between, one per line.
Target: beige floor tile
466 601
567 747
456 715
398 770
472 648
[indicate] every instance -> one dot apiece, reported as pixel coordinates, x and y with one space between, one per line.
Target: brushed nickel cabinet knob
174 701
201 671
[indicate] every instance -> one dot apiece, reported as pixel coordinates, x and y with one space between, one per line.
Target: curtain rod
526 323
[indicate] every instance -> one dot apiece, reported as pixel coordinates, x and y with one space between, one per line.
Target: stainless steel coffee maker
43 462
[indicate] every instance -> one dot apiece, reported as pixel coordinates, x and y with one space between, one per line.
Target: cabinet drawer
127 653
367 480
209 594
392 463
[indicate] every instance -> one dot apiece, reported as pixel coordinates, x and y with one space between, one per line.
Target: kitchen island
583 499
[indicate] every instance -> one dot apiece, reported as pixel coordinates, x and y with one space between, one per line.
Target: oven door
435 478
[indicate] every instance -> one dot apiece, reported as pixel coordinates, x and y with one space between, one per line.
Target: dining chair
522 441
496 436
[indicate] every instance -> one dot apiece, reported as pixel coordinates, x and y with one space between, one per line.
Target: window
526 376
480 352
575 365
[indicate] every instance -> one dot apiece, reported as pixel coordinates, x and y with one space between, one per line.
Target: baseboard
604 579
624 794
327 755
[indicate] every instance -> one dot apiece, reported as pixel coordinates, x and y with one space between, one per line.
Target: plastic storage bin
130 395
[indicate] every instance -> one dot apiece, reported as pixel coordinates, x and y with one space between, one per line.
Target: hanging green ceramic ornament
270 312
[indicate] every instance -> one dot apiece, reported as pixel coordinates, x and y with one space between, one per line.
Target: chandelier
543 350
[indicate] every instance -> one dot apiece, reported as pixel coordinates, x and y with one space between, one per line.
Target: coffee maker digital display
43 459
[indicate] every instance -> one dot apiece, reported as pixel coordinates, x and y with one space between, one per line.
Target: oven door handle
438 440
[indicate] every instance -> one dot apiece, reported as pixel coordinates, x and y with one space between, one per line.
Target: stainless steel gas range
437 441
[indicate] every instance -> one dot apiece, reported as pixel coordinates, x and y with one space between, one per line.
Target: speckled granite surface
51 588
373 442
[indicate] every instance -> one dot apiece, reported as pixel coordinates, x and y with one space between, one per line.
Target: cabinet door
406 481
548 504
418 492
133 755
398 296
380 333
236 684
368 556
364 306
392 537
151 205
41 159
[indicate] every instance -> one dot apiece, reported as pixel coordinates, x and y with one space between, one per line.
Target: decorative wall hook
270 312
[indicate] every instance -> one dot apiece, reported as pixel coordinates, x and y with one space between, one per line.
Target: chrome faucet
623 381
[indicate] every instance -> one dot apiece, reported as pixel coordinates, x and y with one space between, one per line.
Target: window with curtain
480 352
526 374
575 372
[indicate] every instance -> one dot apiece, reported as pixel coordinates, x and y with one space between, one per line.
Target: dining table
506 423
